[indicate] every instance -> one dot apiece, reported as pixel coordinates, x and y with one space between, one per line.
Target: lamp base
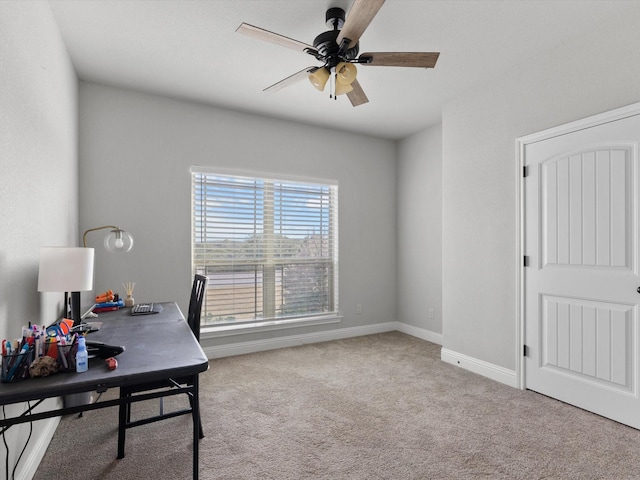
72 307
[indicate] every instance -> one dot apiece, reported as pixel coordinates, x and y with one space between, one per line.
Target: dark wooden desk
157 347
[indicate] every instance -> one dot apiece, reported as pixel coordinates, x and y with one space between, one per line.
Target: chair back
195 304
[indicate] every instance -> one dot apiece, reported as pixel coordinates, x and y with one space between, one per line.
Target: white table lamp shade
65 269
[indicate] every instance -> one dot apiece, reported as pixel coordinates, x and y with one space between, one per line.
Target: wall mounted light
117 241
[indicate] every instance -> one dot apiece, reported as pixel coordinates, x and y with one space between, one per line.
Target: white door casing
579 297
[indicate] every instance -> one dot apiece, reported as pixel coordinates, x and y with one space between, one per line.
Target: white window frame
269 261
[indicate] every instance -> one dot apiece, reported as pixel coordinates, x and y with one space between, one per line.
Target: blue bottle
82 357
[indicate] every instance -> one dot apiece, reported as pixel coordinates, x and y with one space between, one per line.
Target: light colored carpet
375 407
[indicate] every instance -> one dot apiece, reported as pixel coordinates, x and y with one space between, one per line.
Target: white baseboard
242 348
418 332
494 372
486 369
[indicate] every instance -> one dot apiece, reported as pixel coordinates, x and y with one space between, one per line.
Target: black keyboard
146 308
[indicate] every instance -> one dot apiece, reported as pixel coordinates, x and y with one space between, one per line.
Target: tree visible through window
268 247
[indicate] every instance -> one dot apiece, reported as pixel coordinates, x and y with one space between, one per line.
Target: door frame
521 248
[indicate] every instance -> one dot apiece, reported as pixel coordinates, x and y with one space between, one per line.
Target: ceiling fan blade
357 95
267 36
358 19
291 79
400 59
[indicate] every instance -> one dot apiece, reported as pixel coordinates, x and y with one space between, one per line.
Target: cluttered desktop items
43 351
110 301
61 347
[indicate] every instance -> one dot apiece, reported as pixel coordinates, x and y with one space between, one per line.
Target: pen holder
15 367
67 357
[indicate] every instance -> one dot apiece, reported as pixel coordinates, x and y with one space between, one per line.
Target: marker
61 353
17 362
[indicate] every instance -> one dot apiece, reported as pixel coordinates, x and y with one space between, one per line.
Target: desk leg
122 422
195 412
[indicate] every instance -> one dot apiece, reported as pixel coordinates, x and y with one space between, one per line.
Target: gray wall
591 74
136 150
419 217
38 174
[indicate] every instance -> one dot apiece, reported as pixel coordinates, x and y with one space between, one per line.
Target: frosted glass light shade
319 78
118 241
342 89
65 269
345 73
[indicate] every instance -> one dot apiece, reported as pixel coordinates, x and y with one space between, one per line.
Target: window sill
226 330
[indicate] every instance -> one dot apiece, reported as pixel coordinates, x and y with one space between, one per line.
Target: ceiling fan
337 50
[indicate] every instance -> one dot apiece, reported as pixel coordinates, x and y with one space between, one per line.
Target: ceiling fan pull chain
332 88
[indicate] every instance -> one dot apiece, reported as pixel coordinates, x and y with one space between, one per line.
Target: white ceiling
190 50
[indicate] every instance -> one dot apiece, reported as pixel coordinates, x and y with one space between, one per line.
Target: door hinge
525 171
525 261
525 351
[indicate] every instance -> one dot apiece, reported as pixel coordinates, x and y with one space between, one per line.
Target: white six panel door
581 286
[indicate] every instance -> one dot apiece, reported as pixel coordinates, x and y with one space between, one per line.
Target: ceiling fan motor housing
326 44
335 18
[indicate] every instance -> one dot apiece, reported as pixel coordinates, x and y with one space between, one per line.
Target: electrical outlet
359 308
432 313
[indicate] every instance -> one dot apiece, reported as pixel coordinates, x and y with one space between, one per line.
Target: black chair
193 319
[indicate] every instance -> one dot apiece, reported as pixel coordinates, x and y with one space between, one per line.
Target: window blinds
268 247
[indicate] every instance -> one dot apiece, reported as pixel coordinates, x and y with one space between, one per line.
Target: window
268 248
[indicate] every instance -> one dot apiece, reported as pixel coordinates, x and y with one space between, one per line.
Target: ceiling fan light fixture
319 77
346 73
341 88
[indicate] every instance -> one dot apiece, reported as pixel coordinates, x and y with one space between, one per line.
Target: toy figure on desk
107 302
107 296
